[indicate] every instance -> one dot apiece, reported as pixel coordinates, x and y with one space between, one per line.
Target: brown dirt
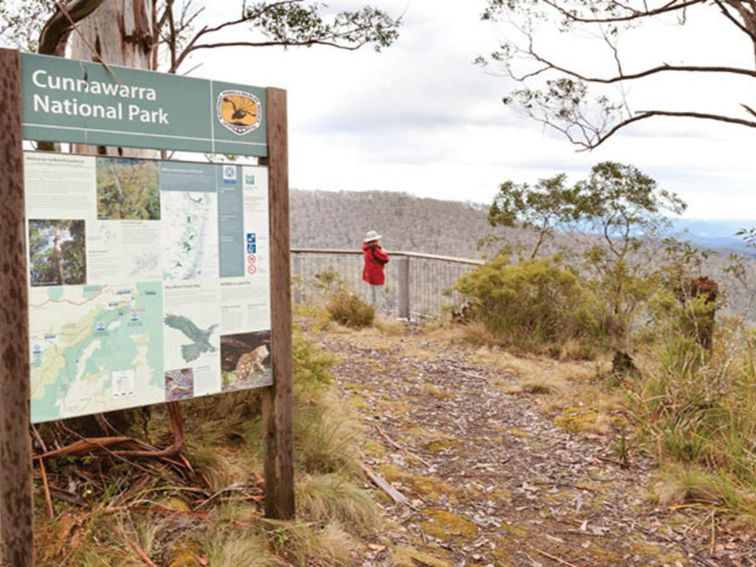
494 481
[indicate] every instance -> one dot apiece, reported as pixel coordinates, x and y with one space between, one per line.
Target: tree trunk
119 32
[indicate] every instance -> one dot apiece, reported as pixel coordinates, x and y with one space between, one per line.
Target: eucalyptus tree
591 94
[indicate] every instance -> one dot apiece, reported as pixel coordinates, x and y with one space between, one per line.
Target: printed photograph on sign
127 189
179 384
57 252
246 361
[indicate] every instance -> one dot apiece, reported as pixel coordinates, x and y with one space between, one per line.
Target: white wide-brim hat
372 235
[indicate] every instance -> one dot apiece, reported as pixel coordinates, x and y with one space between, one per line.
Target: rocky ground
494 479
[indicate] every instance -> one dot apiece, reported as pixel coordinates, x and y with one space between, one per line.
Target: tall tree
566 92
543 207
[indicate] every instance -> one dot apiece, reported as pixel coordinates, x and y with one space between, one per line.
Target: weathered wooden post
277 399
16 547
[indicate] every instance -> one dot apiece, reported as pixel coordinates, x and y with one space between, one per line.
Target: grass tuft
331 498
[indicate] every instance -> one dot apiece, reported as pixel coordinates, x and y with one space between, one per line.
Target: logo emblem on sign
229 174
239 111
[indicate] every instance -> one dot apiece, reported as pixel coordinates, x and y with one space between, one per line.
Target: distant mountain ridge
714 233
326 219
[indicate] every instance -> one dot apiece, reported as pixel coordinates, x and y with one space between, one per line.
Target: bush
697 408
536 305
349 310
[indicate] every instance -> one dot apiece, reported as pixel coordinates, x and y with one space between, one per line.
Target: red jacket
375 259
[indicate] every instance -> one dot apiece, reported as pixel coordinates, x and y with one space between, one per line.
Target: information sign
149 281
76 101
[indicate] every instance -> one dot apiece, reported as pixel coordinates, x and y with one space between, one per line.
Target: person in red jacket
373 273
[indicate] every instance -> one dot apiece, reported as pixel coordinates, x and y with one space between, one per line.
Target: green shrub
537 305
697 408
349 310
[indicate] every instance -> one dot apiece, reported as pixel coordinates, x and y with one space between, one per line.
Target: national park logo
239 111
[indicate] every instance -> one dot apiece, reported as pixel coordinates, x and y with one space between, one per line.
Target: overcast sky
422 118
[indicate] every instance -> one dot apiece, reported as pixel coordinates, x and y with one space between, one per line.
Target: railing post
404 288
297 278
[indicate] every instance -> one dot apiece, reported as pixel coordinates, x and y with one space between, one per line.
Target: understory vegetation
642 308
109 512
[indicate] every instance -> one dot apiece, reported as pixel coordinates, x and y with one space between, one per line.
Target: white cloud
421 118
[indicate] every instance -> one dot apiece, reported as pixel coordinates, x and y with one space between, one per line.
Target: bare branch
279 44
645 114
639 75
732 19
672 6
54 35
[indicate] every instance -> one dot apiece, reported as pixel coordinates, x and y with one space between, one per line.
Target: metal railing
417 285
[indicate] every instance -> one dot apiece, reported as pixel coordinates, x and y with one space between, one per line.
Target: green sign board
80 102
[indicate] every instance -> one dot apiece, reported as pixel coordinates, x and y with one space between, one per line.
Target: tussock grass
326 442
678 484
300 543
388 326
698 410
224 447
332 498
350 310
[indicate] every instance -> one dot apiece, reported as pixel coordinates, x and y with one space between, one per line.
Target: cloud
421 118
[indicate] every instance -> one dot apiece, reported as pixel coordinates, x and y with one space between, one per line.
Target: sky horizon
422 118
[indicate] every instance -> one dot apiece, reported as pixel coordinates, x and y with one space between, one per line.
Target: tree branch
633 76
54 35
306 43
732 19
672 6
645 114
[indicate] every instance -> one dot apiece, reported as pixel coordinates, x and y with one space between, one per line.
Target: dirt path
494 482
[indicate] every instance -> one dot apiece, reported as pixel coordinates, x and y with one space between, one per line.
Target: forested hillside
325 219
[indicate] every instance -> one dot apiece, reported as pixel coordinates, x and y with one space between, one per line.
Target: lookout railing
417 285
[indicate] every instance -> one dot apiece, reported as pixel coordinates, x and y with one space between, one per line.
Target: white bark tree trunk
119 32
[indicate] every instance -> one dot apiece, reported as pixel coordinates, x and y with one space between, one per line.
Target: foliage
178 29
127 189
350 310
698 409
535 305
623 204
57 252
22 20
622 209
589 107
544 207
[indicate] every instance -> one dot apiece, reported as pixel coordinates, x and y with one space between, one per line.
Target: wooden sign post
16 543
16 517
277 402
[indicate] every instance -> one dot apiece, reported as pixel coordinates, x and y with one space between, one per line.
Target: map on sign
95 348
139 284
